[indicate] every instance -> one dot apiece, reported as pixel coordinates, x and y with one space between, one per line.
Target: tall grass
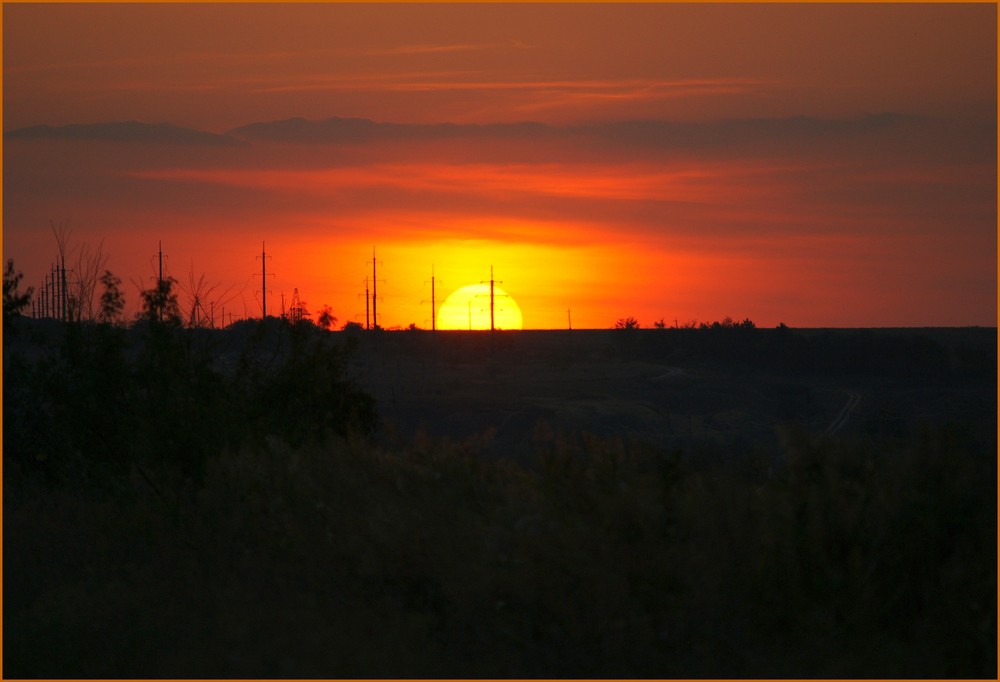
342 558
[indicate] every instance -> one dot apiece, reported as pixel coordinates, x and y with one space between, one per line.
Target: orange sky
818 165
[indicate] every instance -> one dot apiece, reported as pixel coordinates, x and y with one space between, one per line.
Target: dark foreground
655 504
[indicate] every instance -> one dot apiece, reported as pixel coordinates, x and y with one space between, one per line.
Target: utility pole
45 297
569 319
433 302
492 326
62 297
263 281
159 282
54 293
368 301
371 320
374 290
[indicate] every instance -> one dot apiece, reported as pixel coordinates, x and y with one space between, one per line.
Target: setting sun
469 308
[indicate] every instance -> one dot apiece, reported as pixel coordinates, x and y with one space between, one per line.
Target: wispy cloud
633 88
425 48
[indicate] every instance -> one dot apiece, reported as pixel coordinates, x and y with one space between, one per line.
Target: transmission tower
297 309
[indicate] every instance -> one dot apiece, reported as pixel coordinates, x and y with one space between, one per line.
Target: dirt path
853 400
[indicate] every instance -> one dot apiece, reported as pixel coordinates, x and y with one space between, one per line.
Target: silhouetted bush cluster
158 395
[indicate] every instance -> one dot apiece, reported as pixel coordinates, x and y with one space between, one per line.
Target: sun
469 308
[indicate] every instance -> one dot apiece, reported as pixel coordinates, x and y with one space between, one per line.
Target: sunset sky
817 165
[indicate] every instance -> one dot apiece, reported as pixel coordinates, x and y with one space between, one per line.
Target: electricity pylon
297 310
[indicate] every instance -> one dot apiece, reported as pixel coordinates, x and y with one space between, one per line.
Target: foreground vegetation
170 514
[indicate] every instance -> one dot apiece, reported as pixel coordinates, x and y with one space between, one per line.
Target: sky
818 165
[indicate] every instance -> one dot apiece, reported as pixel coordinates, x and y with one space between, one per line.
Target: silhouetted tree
112 300
660 324
159 304
627 323
13 300
326 318
88 266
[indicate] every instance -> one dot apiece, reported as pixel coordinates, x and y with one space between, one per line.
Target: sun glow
469 308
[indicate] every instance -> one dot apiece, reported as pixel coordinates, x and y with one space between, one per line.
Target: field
676 388
269 501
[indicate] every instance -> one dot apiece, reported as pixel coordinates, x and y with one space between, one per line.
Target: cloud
425 48
630 134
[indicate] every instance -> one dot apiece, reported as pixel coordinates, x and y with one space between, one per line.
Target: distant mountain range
125 131
337 130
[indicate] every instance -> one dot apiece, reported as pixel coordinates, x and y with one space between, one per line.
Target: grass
608 559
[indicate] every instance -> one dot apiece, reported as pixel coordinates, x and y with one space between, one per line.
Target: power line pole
374 290
263 281
569 319
373 299
50 291
159 281
492 326
62 294
433 302
45 298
